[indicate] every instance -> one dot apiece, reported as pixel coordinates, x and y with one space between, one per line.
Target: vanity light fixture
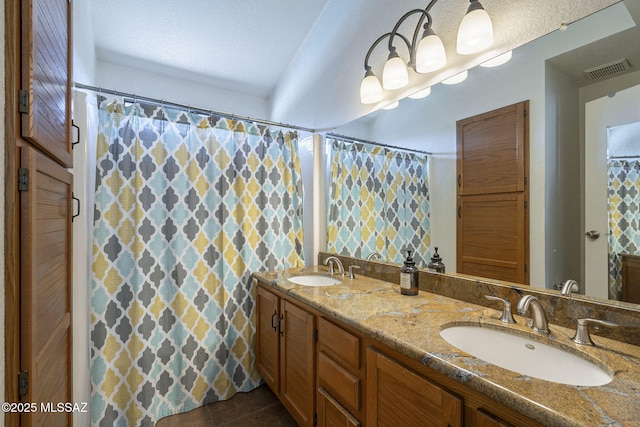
458 78
426 54
498 60
421 93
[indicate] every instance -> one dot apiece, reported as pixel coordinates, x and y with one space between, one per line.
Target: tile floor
258 408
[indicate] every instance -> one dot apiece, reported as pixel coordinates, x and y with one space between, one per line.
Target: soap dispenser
409 276
436 265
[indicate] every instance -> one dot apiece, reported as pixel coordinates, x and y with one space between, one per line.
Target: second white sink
526 356
314 280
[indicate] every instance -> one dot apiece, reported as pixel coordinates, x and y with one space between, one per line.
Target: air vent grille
608 70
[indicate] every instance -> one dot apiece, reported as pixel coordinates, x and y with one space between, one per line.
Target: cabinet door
492 237
398 396
491 151
46 76
267 347
45 289
297 362
331 413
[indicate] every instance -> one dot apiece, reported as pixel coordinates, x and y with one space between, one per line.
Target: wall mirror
568 121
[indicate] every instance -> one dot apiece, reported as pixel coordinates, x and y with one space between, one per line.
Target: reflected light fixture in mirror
458 78
421 94
475 33
391 106
498 60
427 54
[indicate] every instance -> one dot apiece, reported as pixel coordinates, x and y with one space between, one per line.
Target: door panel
46 76
489 242
45 288
267 333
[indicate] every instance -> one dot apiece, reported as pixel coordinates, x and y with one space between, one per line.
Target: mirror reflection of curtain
379 202
186 208
624 217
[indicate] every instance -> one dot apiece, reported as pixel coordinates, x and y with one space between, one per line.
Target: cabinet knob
273 317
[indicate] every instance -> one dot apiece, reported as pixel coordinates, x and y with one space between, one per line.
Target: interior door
45 288
600 114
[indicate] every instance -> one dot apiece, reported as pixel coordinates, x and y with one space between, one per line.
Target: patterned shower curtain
624 218
186 208
379 202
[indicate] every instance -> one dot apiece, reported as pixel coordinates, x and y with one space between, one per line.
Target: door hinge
525 268
23 101
23 179
23 383
525 180
525 204
315 335
315 418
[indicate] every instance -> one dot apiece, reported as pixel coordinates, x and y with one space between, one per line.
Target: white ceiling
306 56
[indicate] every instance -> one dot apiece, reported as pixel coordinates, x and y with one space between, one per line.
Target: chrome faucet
538 322
569 286
331 261
372 255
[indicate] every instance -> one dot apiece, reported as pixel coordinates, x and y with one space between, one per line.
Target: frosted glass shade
394 74
430 55
421 94
458 78
475 32
498 60
370 89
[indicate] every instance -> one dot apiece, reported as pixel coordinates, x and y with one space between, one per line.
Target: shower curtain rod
636 156
352 139
199 110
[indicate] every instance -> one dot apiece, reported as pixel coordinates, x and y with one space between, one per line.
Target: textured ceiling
306 56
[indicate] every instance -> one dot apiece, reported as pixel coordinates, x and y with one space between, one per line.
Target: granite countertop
412 325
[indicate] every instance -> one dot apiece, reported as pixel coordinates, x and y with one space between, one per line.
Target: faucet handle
351 273
329 262
507 316
582 330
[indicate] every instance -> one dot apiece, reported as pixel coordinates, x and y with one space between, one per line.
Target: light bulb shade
370 89
498 60
394 73
476 30
430 55
421 94
458 78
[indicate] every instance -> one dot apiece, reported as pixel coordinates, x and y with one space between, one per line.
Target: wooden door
397 396
492 194
489 236
46 76
484 418
45 287
267 348
297 352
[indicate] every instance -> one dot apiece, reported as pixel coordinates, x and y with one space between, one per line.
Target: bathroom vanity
361 353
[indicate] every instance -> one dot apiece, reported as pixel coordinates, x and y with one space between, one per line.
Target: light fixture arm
367 67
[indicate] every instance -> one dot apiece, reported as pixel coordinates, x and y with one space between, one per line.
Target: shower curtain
186 208
624 217
379 202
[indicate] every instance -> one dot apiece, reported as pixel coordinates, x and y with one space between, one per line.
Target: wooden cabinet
38 208
399 396
630 278
484 418
492 194
340 373
286 353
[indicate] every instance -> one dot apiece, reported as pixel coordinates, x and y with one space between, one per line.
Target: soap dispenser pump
409 276
436 265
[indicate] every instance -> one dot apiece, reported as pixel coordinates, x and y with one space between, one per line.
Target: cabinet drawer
339 344
331 413
342 385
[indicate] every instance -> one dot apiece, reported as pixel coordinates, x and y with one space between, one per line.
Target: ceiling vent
608 70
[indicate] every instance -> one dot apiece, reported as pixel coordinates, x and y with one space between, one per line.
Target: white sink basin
525 356
314 280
